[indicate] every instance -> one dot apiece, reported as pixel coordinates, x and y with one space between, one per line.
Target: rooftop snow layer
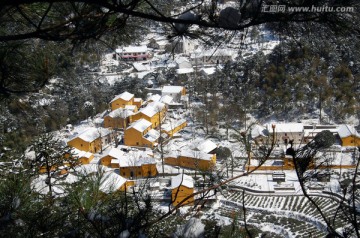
152 135
135 158
81 153
92 134
152 108
182 179
347 130
121 112
207 146
166 99
154 98
258 130
172 124
126 96
133 49
140 125
116 153
172 89
286 127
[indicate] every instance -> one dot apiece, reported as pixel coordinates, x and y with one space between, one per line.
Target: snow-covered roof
209 71
166 99
212 52
121 112
191 154
81 153
116 153
347 130
126 96
140 125
154 98
172 124
286 127
141 67
172 89
135 158
182 179
134 49
258 130
152 135
152 108
137 99
207 146
184 70
92 134
131 107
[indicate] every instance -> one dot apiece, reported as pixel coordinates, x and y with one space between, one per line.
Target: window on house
81 145
137 143
139 173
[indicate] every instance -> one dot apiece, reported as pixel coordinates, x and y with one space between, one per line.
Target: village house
140 133
154 112
182 186
119 118
191 159
137 164
349 136
132 53
112 158
121 100
82 157
91 140
176 92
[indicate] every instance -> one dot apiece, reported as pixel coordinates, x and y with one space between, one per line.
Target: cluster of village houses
144 124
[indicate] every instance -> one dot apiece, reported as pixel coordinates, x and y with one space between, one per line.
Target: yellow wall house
121 100
112 158
349 136
139 133
119 118
191 159
171 127
182 186
91 140
137 164
82 157
153 112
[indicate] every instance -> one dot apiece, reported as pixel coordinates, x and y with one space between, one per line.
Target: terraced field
291 216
